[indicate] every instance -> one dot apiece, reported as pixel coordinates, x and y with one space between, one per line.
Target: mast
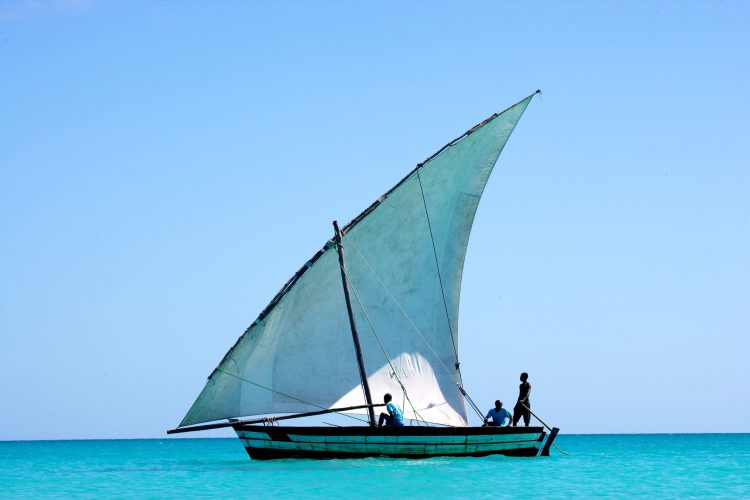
353 324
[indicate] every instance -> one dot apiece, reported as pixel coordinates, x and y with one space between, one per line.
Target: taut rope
548 427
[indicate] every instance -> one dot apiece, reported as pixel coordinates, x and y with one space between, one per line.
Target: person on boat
394 417
523 406
499 415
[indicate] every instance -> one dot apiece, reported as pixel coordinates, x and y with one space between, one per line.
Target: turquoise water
660 466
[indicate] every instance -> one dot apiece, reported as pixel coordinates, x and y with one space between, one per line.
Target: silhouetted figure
499 415
524 391
394 417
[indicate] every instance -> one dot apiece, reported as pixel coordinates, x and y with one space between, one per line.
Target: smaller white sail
421 401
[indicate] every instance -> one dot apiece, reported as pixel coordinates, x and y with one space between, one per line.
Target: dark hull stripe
269 454
390 443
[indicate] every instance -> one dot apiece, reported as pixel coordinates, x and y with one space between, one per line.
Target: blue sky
165 168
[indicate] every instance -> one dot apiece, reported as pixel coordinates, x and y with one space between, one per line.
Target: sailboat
374 311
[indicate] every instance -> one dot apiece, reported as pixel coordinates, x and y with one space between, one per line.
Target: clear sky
166 166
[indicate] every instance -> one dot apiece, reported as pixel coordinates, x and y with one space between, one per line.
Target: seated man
500 416
393 418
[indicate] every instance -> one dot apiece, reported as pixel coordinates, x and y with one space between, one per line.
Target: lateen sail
404 257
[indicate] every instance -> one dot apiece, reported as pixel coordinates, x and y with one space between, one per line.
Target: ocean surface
613 466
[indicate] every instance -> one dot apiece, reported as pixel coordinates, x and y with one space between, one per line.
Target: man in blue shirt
394 417
500 416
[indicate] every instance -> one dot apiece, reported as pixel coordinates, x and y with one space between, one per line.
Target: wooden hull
268 442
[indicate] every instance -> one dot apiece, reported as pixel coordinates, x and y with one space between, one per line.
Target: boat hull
270 442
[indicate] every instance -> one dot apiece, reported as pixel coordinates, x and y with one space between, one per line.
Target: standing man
394 417
499 415
523 406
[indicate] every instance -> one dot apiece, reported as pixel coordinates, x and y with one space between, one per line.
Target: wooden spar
353 324
232 423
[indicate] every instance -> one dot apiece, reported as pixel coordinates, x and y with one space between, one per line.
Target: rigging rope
362 368
382 348
286 395
442 291
416 329
558 449
471 402
437 267
547 426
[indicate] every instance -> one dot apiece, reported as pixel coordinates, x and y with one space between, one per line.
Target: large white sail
404 257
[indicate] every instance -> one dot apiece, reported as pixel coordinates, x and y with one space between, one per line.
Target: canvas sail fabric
404 259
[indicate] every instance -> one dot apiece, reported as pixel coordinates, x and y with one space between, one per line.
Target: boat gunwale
400 444
389 431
